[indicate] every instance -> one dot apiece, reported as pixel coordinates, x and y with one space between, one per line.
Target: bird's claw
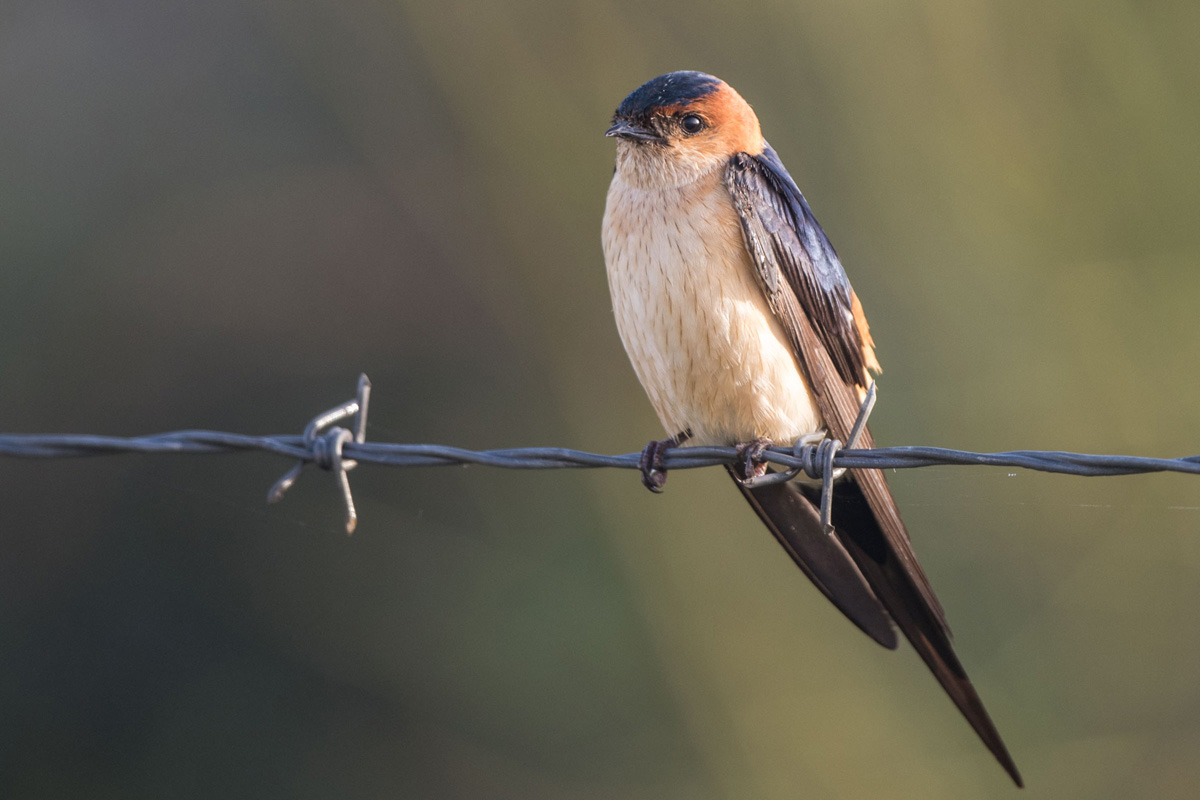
750 461
653 464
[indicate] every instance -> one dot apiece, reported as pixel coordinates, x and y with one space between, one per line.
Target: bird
743 329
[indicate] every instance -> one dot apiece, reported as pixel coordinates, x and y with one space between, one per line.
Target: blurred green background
217 214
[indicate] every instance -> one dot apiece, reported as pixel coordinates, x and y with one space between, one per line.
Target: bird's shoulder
793 255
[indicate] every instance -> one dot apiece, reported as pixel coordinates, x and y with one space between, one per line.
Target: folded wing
807 289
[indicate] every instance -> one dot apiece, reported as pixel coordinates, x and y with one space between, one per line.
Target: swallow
743 329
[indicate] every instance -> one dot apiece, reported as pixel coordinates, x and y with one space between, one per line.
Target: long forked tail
860 572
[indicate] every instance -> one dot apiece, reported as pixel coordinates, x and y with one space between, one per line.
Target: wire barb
325 448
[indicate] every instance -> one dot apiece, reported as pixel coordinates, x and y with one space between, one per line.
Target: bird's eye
692 124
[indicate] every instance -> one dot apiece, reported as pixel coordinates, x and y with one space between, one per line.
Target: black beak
634 133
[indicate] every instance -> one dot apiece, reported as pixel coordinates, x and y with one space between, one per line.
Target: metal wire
338 449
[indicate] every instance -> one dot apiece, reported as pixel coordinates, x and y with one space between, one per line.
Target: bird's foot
750 464
653 463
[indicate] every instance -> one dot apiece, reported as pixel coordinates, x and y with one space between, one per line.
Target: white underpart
703 342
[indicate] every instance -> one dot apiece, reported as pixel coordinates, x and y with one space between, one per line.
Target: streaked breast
697 329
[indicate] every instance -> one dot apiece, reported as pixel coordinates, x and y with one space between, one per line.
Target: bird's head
679 127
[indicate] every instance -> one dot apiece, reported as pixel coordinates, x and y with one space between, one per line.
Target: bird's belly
696 326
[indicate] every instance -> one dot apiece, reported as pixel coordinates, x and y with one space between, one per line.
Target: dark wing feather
800 255
861 534
811 297
809 294
796 523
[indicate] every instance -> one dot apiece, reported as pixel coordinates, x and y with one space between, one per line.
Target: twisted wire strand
60 445
338 449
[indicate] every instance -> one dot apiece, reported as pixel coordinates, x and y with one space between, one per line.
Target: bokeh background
217 214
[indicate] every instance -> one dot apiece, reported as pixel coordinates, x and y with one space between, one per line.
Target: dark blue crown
671 89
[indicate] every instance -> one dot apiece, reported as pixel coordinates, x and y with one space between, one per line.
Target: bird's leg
750 457
653 461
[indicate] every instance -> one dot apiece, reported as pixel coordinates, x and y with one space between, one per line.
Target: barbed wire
338 449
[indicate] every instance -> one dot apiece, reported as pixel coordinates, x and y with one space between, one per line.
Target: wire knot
815 454
816 460
325 448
